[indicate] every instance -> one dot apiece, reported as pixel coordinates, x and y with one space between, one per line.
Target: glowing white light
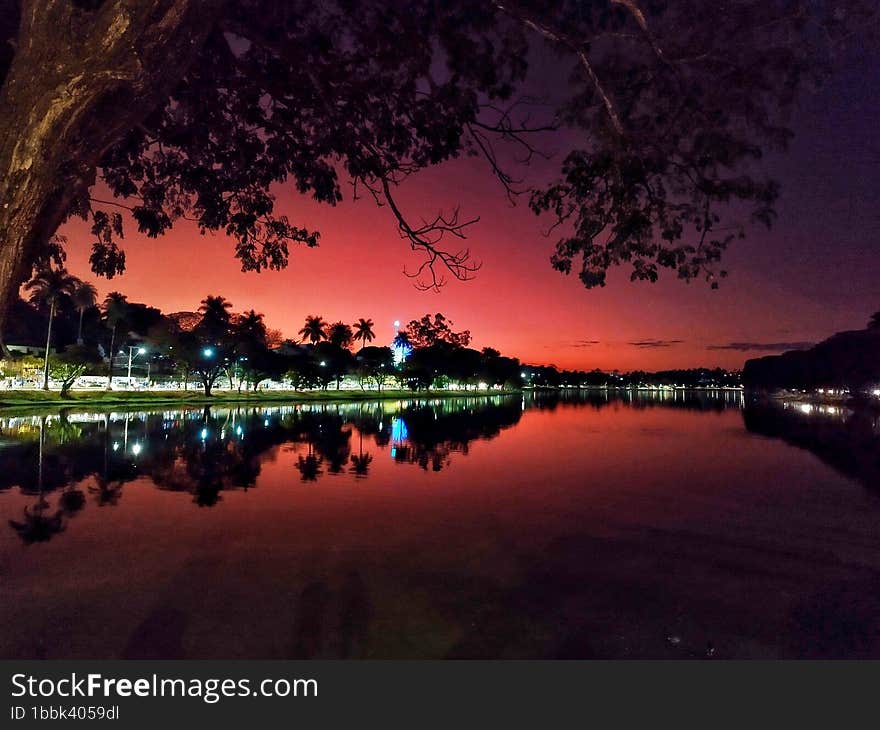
142 350
115 445
208 352
806 408
136 449
204 433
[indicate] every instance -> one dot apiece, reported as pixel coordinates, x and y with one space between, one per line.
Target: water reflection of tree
640 400
849 441
435 431
39 524
360 462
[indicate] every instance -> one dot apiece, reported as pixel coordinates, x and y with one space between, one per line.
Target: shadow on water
847 440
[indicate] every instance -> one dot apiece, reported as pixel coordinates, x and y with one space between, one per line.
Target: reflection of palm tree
314 330
309 466
84 296
106 492
49 287
360 462
37 526
363 331
72 500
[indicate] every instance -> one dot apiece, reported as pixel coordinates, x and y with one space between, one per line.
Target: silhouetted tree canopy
195 109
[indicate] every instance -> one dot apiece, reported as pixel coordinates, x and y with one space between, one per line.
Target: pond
572 525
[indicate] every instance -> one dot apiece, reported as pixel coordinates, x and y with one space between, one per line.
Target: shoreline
30 399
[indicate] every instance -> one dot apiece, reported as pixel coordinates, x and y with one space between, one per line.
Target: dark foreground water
586 526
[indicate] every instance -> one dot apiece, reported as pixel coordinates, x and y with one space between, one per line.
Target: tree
315 329
363 331
332 362
667 105
340 334
374 365
67 373
194 353
429 331
84 297
216 317
255 361
67 366
874 322
48 287
114 315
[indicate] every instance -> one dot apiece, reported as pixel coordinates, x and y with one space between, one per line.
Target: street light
208 352
131 352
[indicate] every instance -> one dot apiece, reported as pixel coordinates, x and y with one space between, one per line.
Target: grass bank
84 399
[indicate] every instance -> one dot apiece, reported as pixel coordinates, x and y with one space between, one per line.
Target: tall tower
401 349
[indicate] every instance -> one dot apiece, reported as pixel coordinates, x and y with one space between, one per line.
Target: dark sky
814 273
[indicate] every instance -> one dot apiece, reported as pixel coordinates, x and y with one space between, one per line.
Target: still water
584 526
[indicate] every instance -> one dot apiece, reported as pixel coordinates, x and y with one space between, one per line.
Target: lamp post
131 350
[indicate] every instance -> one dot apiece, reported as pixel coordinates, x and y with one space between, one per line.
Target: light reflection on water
662 524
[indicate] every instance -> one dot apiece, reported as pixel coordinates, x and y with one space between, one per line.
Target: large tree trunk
80 80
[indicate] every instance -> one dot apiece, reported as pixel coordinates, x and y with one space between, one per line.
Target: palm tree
215 316
84 296
401 339
314 330
340 334
363 331
115 312
48 287
250 328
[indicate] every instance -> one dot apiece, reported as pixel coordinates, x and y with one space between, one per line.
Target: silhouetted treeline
548 376
846 360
